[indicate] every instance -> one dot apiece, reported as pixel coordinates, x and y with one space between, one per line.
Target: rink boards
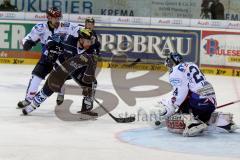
210 70
216 51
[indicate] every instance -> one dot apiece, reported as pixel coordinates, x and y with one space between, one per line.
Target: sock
33 85
39 98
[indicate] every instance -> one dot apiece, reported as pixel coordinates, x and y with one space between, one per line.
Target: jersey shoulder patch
182 67
39 27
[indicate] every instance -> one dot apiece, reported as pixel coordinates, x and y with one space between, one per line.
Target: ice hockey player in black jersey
75 58
95 47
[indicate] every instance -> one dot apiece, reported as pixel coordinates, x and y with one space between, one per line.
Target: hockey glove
54 50
28 45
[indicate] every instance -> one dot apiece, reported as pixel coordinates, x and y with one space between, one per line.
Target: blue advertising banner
149 45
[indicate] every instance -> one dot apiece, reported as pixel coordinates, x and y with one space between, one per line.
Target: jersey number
197 75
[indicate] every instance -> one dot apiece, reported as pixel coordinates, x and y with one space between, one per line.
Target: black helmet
54 12
85 34
89 20
173 58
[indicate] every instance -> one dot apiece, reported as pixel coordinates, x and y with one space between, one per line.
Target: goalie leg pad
194 127
223 120
175 123
185 124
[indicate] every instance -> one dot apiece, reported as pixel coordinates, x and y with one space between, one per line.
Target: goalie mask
173 59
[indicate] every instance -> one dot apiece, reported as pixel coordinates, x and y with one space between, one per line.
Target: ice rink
43 136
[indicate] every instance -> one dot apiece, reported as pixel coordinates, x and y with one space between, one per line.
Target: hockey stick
134 62
227 104
118 120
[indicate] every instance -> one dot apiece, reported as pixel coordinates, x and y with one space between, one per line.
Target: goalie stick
227 104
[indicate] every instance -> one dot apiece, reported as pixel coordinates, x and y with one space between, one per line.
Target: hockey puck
157 123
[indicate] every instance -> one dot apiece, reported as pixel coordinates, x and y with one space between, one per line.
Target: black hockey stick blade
118 120
135 62
123 120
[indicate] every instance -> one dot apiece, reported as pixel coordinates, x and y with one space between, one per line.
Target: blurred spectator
217 10
6 6
205 9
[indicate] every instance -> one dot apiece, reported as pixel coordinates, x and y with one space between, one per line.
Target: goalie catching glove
166 108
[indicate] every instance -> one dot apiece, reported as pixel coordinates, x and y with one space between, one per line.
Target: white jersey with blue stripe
187 78
41 32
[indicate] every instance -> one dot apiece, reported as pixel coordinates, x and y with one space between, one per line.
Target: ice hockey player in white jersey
76 59
192 100
40 33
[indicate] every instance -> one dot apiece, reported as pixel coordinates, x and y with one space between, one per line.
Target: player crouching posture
74 58
190 110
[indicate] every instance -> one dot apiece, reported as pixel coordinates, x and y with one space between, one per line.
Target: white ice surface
42 136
